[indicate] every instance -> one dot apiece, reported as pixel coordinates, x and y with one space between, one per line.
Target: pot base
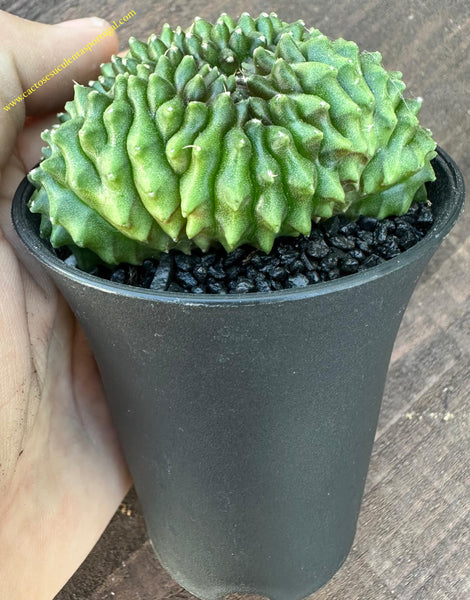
225 590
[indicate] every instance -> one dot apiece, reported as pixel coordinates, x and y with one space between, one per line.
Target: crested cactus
228 133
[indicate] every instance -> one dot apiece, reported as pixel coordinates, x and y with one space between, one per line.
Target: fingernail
87 22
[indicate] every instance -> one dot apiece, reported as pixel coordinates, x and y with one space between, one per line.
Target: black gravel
335 248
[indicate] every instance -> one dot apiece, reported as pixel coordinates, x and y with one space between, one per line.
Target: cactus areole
227 134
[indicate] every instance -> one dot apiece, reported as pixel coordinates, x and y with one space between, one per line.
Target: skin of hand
62 473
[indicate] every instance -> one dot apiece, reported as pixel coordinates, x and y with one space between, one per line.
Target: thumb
43 60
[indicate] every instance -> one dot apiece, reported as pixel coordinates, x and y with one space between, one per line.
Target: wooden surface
413 539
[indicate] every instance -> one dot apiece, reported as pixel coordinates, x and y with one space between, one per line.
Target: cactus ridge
228 133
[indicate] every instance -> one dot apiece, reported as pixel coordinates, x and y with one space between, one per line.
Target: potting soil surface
335 248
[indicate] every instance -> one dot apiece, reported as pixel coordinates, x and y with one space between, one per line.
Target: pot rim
438 231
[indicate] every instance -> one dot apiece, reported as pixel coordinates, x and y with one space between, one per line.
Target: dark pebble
234 257
409 218
257 261
317 248
296 266
148 272
270 263
334 248
215 287
309 265
366 236
349 228
234 271
184 262
278 273
216 271
134 275
242 286
363 246
249 256
277 285
313 277
250 271
390 225
425 216
342 242
389 248
208 259
297 281
71 261
288 255
401 227
315 234
408 239
329 262
163 273
331 226
174 287
119 275
333 274
357 254
367 223
200 273
149 265
261 284
380 233
186 280
371 261
349 265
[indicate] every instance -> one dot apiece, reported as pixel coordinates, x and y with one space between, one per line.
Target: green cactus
228 133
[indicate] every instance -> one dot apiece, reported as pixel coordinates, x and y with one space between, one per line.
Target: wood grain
413 539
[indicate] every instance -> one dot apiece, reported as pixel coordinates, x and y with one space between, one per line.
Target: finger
45 71
12 175
76 48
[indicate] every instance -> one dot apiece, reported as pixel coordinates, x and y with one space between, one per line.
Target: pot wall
248 422
248 429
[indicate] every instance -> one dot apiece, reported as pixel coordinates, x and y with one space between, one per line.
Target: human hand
62 474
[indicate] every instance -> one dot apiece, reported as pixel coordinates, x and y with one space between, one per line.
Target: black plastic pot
248 421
